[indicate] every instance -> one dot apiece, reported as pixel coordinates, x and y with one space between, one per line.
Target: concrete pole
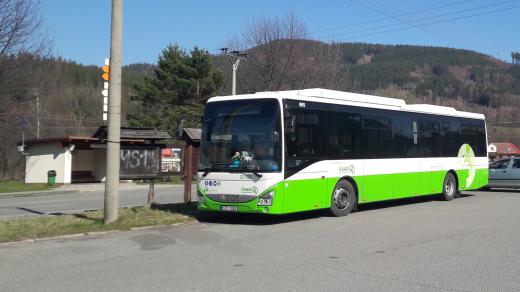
38 116
234 83
114 116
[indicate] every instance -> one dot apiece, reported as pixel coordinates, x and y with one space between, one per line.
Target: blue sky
81 29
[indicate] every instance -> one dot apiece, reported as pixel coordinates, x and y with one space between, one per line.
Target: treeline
44 96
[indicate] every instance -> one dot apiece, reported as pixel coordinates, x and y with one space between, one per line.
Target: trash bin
51 177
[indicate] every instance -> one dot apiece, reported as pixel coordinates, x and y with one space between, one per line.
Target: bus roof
353 99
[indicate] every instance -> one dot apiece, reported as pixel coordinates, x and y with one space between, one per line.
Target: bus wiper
250 168
205 171
256 173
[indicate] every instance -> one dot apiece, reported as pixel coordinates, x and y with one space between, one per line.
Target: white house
83 159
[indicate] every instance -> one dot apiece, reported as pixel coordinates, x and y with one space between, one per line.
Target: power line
393 17
385 18
424 18
438 22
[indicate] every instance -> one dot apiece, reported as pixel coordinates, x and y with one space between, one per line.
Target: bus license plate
229 208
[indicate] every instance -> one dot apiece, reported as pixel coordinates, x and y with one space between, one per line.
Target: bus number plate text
229 208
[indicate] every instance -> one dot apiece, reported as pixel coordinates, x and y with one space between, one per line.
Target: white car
505 173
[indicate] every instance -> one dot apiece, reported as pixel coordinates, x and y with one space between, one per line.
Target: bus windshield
241 135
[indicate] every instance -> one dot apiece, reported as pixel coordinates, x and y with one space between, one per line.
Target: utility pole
234 57
38 116
114 116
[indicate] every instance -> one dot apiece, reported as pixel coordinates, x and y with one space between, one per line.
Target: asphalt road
86 200
469 244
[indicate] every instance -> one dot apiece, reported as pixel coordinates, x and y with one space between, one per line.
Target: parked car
505 173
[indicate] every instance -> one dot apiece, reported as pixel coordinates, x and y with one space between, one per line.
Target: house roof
134 133
192 134
128 134
506 148
60 139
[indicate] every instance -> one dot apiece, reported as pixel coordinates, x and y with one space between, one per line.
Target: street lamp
234 57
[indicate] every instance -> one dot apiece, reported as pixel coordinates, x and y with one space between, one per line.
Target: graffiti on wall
139 162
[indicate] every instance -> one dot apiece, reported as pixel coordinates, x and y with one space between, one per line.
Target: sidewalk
85 188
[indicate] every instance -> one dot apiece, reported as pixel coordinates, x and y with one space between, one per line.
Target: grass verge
18 186
92 221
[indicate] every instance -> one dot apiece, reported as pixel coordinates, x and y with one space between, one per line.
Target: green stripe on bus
311 194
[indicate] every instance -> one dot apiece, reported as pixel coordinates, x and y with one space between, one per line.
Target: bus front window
241 135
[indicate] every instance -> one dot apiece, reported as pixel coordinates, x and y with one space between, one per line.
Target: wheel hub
449 187
341 198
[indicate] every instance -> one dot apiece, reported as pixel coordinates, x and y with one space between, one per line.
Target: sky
80 29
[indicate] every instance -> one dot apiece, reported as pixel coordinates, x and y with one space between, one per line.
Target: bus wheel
343 199
449 187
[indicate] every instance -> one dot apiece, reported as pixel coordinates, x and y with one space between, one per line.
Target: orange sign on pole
106 72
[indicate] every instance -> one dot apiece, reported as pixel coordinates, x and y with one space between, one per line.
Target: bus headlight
266 199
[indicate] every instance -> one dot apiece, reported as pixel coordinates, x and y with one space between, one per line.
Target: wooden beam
188 171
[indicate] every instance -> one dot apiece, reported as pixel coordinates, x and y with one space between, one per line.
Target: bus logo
249 190
351 169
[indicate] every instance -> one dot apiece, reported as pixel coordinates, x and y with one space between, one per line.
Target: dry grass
18 186
92 221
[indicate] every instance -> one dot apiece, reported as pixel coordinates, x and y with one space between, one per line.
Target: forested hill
432 74
463 79
429 71
71 102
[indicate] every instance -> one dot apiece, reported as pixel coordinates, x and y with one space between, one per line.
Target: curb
93 233
34 194
73 191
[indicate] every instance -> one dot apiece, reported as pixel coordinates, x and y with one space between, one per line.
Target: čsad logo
467 157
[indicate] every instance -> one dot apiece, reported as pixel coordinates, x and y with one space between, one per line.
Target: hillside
70 101
463 79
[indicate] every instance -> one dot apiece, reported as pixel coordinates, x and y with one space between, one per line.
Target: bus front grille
225 198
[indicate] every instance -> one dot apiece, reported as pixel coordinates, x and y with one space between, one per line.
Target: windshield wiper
256 173
250 169
205 171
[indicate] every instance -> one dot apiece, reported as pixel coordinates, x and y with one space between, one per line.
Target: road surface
469 244
76 201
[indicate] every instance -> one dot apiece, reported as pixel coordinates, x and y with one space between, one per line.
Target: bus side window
343 134
429 139
377 137
308 139
472 135
405 137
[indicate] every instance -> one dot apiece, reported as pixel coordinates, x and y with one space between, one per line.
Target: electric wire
386 18
422 19
393 17
436 22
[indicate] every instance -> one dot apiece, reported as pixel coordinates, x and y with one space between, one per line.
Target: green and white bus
291 151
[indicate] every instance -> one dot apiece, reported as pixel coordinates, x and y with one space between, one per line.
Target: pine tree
179 88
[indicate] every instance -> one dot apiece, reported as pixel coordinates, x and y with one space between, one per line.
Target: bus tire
449 187
343 199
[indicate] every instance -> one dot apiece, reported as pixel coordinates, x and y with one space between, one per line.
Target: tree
515 57
22 44
276 55
180 86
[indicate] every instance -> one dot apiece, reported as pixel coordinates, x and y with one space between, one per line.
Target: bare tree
20 27
274 54
331 71
82 105
283 57
22 43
